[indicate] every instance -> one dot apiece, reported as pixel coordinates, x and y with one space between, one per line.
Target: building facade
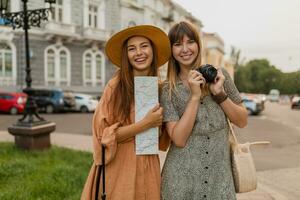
214 52
67 52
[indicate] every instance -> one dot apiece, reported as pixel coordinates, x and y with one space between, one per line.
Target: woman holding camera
197 165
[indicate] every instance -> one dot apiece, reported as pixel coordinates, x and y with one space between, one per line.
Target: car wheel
13 111
84 109
49 109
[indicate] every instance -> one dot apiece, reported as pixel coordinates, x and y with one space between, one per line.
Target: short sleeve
170 113
230 88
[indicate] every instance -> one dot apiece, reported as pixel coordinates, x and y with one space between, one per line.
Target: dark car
52 101
12 103
295 102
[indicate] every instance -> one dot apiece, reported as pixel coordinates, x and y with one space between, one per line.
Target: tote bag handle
234 138
101 171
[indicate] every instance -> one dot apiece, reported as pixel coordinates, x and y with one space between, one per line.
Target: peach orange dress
128 176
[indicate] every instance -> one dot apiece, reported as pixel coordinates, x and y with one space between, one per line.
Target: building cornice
131 4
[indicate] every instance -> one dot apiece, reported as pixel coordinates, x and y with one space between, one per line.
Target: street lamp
30 133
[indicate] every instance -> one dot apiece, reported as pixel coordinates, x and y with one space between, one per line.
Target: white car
85 103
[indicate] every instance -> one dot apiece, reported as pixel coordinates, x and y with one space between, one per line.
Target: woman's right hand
154 117
195 81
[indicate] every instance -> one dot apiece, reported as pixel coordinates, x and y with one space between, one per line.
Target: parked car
253 106
12 103
85 103
54 100
295 103
274 95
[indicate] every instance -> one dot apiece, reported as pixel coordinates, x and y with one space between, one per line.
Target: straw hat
159 39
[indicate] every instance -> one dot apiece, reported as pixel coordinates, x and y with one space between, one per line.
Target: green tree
290 83
258 76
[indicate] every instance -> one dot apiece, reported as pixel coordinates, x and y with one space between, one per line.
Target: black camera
209 72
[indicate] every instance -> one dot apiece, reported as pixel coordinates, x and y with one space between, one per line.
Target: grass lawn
57 173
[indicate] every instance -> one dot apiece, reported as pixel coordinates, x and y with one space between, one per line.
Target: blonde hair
176 33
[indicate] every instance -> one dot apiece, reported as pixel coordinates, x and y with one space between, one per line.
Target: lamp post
31 131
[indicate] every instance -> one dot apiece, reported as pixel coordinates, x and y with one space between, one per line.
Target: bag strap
235 141
101 171
103 175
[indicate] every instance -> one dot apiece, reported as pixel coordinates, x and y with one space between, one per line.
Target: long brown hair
176 33
123 94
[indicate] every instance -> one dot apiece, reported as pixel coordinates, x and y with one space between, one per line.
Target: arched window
88 67
57 66
5 60
98 67
131 23
63 65
51 64
7 64
93 68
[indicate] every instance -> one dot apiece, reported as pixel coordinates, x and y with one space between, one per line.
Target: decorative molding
94 34
53 29
6 33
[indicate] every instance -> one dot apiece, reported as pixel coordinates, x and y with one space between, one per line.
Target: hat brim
160 40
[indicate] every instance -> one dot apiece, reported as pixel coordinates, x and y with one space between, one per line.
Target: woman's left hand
217 86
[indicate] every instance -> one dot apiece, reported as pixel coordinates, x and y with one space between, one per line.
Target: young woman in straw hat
136 51
197 165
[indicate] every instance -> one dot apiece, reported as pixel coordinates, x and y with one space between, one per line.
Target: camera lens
209 72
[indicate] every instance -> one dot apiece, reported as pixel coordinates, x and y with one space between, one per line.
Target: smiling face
185 51
140 55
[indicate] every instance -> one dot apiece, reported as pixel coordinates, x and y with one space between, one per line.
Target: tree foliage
259 76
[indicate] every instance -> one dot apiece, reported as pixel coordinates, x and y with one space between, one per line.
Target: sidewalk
282 184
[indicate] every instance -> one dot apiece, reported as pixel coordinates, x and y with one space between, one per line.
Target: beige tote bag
243 168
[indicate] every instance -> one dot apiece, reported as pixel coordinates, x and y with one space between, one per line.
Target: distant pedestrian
136 51
197 165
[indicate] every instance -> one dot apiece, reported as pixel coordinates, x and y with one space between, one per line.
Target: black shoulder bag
101 171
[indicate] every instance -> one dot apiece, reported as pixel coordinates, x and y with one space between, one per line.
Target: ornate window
93 68
8 8
57 66
94 14
7 64
57 11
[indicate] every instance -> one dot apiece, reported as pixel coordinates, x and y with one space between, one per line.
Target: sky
259 28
